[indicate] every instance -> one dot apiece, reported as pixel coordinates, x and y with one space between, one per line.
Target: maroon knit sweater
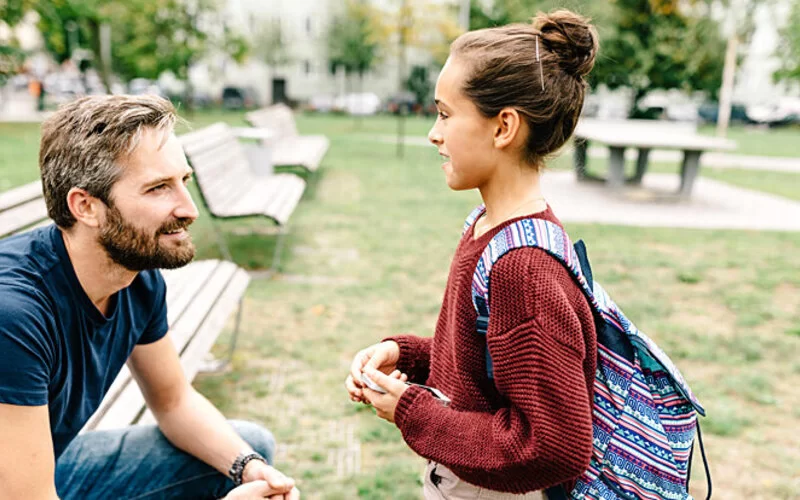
530 428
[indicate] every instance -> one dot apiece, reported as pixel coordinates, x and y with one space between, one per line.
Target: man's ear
508 126
85 207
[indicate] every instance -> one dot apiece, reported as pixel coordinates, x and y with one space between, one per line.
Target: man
83 296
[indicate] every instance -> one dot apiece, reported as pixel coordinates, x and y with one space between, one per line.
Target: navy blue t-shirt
56 347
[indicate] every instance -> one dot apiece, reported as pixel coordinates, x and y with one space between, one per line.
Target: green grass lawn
761 141
367 256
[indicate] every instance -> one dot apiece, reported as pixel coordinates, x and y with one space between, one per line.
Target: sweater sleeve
415 356
543 435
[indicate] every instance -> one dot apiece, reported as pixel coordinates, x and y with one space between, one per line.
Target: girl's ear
508 125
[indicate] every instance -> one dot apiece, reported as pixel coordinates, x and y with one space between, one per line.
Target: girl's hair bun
571 38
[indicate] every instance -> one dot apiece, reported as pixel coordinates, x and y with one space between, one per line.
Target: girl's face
464 137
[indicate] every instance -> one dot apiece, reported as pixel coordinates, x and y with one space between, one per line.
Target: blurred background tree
153 36
271 45
11 57
357 39
146 37
645 44
789 48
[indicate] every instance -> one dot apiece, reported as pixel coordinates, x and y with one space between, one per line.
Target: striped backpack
644 416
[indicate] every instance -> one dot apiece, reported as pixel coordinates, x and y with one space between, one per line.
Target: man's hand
382 356
281 487
385 404
258 490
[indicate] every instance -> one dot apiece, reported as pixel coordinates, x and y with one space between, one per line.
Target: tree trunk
726 93
401 71
100 37
359 115
188 97
638 95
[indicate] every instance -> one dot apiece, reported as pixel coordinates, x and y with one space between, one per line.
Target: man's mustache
175 225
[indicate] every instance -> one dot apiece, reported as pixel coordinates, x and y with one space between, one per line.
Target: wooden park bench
234 183
200 298
644 135
287 147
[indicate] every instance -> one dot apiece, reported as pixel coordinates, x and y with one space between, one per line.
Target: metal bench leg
616 167
689 170
579 158
223 246
276 255
218 365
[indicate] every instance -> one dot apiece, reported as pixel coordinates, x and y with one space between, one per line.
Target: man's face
150 207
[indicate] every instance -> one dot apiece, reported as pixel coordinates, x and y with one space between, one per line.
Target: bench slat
278 118
305 151
205 138
22 216
207 334
19 195
183 283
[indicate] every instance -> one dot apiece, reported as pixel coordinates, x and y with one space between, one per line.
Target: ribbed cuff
404 404
414 357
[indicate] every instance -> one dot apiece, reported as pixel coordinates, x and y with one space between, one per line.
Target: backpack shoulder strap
536 233
473 216
539 233
531 232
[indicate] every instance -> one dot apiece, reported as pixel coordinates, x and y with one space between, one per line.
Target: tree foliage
271 44
153 36
654 45
789 48
644 44
11 56
356 38
147 36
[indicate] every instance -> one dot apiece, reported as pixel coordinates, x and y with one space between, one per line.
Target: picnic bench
643 135
200 298
287 147
233 183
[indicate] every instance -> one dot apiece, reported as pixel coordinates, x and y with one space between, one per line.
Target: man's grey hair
84 142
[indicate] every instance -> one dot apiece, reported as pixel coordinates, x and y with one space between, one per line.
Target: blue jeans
139 463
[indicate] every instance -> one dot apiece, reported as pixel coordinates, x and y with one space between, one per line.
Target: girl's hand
384 404
382 356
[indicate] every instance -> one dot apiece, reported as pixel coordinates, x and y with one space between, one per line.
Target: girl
507 98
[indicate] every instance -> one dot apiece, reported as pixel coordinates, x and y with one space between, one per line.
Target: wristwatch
237 469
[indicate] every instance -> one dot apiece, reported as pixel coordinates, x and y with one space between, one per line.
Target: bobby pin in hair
539 60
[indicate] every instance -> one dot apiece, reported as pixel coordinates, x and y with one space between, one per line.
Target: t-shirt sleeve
157 327
26 348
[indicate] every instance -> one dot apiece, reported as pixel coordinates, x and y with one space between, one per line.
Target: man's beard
137 250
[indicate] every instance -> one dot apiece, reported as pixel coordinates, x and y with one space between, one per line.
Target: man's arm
27 464
188 420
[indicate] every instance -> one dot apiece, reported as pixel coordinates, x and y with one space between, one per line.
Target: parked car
784 111
321 103
239 97
139 86
402 102
363 103
709 112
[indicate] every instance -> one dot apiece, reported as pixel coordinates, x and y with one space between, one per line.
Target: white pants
450 487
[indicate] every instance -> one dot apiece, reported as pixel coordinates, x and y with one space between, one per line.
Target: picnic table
644 135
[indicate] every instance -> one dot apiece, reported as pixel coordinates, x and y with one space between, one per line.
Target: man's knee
256 436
